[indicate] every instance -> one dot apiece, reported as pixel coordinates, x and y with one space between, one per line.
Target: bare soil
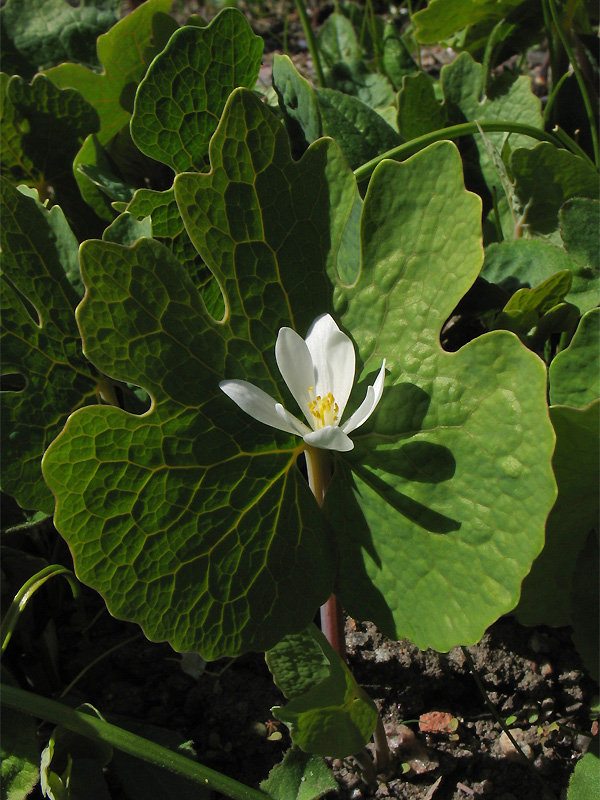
532 674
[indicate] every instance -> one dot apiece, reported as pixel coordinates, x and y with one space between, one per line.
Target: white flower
319 372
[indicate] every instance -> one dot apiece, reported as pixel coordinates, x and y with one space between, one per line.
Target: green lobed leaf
168 228
442 18
575 372
298 103
97 178
40 342
337 40
361 132
209 534
432 552
509 97
297 663
545 178
579 222
179 102
125 52
48 32
525 263
126 229
43 128
545 597
300 776
396 58
419 111
334 717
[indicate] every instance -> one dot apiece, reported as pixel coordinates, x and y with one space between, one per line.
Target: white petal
257 403
332 354
330 438
296 367
299 427
366 408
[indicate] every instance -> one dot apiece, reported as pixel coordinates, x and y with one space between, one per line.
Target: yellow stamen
324 409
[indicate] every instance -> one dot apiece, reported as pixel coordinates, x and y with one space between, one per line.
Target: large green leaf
328 713
125 52
40 342
48 32
546 595
452 480
209 535
193 519
180 101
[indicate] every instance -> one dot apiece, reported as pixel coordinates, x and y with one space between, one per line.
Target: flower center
324 409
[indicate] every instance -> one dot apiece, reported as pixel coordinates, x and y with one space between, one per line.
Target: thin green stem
587 101
572 145
25 594
552 97
318 467
313 47
497 717
93 663
454 132
99 730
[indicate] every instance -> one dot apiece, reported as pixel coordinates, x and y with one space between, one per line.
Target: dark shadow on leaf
416 512
399 415
423 462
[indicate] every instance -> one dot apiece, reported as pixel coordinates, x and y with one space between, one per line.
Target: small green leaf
545 597
397 60
40 342
337 40
48 32
168 228
45 128
334 717
575 372
297 663
361 132
545 178
300 776
419 111
579 221
525 263
126 229
298 102
585 780
543 297
111 92
442 18
180 101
